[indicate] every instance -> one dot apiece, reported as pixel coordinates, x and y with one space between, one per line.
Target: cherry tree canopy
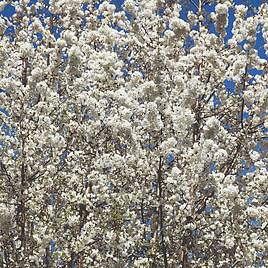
133 136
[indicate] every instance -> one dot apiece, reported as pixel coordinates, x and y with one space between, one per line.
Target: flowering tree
133 136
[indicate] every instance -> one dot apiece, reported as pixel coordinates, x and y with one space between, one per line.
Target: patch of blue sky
10 32
264 198
260 199
122 146
154 186
44 12
15 154
259 45
39 36
249 200
229 33
83 23
89 117
250 169
260 254
190 254
46 2
241 44
65 56
52 199
209 209
129 16
255 223
110 185
216 102
7 130
209 7
97 4
229 86
170 159
118 4
141 252
148 236
212 168
148 222
4 111
259 264
255 3
74 265
200 255
231 18
247 168
260 148
57 31
100 17
161 12
196 233
188 43
183 13
124 71
255 71
52 246
63 157
8 11
227 127
149 146
31 2
245 115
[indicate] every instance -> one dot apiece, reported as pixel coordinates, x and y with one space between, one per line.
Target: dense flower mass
133 135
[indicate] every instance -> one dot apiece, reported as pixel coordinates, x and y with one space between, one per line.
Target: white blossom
133 135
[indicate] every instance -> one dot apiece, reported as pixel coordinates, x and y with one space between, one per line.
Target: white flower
37 25
211 127
254 156
266 123
168 145
36 73
61 43
182 119
179 26
230 241
221 9
141 263
69 37
221 17
169 34
26 49
6 218
3 5
51 168
252 212
106 8
137 76
130 6
230 191
152 120
249 96
241 10
75 55
221 156
264 212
